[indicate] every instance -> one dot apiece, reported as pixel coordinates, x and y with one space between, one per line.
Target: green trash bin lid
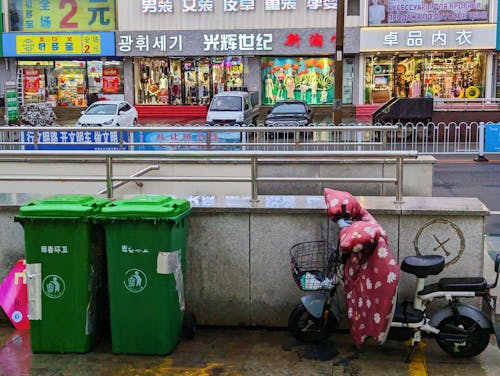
145 206
63 206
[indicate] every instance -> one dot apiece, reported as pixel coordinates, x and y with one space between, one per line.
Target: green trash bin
146 253
65 267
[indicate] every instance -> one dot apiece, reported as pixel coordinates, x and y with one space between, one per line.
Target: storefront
64 51
185 81
447 61
189 67
69 83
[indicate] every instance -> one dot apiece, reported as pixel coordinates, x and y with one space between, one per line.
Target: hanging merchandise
472 92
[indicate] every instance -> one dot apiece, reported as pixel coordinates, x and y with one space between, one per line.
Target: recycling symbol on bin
53 286
135 280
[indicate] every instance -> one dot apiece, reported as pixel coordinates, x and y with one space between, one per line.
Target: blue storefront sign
75 140
492 138
155 138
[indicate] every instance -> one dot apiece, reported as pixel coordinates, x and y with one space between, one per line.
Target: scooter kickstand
412 352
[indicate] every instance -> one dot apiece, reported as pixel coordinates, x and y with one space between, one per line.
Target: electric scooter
460 329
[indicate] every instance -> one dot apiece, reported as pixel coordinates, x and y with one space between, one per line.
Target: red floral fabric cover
371 273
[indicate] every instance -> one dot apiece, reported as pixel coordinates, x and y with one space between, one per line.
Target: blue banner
75 140
186 137
492 138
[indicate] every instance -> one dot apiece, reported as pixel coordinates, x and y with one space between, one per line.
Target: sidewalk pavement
238 351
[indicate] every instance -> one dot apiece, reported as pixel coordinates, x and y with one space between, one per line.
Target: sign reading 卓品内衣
444 37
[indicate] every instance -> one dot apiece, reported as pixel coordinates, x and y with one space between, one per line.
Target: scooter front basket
313 265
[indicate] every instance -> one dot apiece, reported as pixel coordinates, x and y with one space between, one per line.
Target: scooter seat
422 266
463 284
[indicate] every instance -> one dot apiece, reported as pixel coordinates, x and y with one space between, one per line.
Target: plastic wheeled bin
65 267
146 254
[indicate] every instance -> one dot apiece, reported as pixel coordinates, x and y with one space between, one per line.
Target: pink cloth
371 273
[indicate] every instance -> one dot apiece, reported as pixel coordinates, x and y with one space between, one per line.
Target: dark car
289 113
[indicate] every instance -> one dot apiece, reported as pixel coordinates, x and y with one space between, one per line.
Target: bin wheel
189 325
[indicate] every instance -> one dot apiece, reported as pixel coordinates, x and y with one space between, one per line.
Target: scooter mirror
497 262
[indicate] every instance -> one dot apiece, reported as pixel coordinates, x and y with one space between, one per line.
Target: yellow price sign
68 15
60 44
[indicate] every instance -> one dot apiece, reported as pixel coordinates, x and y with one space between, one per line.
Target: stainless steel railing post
109 177
399 180
254 181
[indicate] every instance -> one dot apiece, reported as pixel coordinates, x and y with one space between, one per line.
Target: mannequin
269 89
163 81
314 88
416 87
145 87
323 96
280 80
303 89
290 87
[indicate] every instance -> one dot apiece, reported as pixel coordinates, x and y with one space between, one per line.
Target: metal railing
254 157
466 104
426 138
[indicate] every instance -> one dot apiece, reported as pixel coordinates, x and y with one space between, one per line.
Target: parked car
108 114
289 113
233 107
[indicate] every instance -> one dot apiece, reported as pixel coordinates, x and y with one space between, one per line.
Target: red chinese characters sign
110 80
31 81
314 39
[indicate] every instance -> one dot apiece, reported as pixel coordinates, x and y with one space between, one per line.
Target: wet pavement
240 351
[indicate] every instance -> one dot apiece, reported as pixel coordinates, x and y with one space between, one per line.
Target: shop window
105 79
70 83
432 75
307 78
191 81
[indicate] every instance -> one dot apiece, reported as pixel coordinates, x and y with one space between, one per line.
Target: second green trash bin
146 254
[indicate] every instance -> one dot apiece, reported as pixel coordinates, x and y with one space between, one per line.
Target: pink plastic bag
14 296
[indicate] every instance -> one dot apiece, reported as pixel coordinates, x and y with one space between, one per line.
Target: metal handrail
254 157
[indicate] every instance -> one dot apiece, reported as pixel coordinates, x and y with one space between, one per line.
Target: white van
233 107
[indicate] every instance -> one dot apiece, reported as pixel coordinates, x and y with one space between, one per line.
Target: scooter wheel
307 328
477 337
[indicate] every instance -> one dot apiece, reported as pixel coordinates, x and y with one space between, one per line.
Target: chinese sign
31 80
241 42
425 11
92 44
11 102
62 15
153 140
110 80
446 37
74 140
208 6
233 42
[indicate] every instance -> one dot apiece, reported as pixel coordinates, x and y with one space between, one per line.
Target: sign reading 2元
62 15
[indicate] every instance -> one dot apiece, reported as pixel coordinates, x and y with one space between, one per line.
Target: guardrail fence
429 138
